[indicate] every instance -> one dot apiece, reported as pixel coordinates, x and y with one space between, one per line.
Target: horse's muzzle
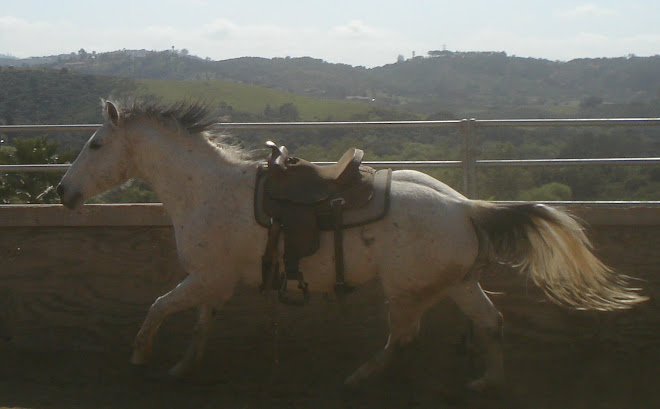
70 201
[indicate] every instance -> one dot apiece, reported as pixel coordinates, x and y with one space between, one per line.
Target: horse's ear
113 114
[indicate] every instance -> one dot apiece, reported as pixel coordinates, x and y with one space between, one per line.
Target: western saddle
298 199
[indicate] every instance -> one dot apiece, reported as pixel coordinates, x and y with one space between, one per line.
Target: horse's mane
193 116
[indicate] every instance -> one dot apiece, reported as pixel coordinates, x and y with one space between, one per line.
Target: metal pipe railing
566 162
468 128
43 168
48 128
374 124
479 123
492 123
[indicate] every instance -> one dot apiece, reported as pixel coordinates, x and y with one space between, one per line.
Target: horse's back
431 210
422 179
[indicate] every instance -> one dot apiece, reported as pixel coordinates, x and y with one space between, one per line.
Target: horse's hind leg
405 315
487 322
193 355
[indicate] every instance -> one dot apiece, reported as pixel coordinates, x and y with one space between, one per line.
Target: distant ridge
444 81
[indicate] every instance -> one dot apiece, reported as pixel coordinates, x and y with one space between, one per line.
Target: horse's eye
94 145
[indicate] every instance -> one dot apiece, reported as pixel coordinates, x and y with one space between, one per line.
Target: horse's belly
359 260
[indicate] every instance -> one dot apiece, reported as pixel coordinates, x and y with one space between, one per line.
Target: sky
356 32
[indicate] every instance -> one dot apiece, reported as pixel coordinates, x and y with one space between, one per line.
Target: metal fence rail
467 127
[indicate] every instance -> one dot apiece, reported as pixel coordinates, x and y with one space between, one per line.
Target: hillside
460 84
235 100
495 82
63 96
40 96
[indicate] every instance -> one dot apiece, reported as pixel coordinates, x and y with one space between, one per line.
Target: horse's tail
550 246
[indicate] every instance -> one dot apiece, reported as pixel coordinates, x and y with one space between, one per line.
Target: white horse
432 244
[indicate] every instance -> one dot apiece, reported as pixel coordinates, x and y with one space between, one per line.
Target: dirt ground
304 365
78 296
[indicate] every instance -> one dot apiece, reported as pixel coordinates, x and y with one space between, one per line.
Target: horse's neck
187 172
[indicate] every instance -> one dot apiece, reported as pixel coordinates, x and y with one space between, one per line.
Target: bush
549 192
30 187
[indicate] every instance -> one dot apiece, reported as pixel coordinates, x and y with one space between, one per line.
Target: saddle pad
372 211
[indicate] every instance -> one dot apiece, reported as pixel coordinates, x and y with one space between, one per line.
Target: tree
289 112
30 187
548 192
133 191
591 102
268 112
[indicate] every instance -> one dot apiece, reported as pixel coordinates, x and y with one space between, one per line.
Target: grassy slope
253 99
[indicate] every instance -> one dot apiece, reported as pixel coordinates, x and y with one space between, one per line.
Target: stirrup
302 285
342 290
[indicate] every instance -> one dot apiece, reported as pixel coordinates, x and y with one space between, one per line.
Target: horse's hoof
484 385
179 371
477 386
138 358
351 382
354 382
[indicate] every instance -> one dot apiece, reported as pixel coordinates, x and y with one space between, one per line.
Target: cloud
357 29
14 26
185 3
587 10
226 30
354 43
24 38
220 29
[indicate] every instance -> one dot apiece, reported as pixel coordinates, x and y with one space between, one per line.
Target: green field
253 99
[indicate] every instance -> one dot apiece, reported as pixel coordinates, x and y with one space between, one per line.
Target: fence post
469 158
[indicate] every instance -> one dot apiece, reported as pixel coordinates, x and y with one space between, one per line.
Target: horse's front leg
193 355
191 292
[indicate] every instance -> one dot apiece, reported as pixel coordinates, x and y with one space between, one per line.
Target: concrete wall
83 281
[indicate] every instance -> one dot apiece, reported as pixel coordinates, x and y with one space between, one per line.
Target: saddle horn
278 156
